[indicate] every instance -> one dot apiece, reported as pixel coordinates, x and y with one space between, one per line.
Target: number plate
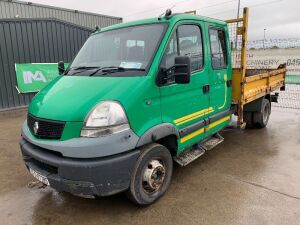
39 177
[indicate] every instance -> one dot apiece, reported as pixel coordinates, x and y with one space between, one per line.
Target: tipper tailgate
257 83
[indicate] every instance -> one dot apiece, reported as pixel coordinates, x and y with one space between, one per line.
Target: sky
280 18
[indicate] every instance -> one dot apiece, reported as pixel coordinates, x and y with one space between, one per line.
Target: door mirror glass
61 67
182 69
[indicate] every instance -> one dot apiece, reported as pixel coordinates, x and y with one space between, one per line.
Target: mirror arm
164 70
61 68
161 78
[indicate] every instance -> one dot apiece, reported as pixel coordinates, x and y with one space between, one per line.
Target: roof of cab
171 20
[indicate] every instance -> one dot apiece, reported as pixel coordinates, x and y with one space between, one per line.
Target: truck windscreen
119 52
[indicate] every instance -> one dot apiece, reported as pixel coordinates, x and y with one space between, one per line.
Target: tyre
151 176
260 119
248 118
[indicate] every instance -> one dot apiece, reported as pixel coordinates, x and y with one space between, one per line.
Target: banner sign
271 59
32 77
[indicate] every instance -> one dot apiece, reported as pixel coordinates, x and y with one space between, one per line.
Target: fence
274 43
269 54
290 98
272 58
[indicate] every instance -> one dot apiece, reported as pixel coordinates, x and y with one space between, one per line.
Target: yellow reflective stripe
193 116
202 114
219 122
190 136
200 131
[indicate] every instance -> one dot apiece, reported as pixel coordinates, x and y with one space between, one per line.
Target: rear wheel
248 118
260 119
152 175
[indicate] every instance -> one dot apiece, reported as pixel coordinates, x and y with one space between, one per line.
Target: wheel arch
165 134
256 105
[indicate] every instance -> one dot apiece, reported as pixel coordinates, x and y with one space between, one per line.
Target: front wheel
152 175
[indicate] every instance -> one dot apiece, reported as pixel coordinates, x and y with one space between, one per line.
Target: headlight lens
106 118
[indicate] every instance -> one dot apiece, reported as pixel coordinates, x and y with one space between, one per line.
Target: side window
170 53
186 41
218 48
190 44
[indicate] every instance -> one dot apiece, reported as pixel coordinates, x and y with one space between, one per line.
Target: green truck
138 97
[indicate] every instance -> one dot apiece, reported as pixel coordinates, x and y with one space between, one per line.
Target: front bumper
85 177
83 147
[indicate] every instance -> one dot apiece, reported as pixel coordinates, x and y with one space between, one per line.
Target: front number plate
39 177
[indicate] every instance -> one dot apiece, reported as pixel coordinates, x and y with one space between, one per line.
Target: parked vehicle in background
136 98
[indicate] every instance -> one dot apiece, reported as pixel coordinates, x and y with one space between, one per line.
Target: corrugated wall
33 41
9 9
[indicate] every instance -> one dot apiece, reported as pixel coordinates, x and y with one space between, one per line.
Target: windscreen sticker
131 65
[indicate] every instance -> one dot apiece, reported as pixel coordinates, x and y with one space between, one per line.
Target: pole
241 103
238 16
238 11
264 38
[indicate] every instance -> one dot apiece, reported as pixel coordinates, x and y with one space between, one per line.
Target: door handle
229 83
206 88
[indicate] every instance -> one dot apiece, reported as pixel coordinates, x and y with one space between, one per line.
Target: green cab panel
186 104
70 99
220 74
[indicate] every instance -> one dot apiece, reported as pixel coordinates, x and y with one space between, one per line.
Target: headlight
107 117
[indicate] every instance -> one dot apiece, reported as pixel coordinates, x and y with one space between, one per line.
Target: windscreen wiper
114 69
81 68
107 69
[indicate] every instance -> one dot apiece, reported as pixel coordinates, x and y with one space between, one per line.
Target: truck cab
138 97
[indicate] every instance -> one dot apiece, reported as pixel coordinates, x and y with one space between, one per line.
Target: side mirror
61 67
182 69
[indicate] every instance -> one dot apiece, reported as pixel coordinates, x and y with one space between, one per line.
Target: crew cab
139 97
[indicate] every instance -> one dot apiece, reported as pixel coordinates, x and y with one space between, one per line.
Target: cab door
219 78
186 105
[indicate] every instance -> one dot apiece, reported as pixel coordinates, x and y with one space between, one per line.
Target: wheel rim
153 176
266 114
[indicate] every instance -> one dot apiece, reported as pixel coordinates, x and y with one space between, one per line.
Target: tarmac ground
253 177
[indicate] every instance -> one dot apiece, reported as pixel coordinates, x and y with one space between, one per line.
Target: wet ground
253 177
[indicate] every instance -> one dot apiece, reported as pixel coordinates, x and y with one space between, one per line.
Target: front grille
45 129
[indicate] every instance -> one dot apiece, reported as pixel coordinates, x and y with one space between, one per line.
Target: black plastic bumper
91 177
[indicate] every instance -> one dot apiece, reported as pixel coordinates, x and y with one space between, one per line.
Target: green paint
70 98
292 79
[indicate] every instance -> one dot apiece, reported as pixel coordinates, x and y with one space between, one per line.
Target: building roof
21 9
59 8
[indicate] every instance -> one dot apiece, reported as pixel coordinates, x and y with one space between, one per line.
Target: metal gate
33 41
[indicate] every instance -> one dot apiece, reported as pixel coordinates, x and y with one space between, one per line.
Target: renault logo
35 127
